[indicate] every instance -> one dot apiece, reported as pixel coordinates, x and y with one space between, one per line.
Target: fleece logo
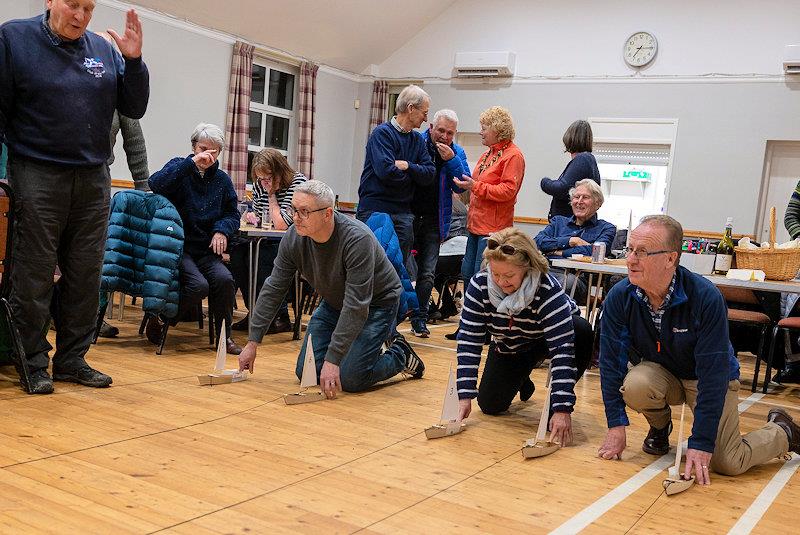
94 66
676 330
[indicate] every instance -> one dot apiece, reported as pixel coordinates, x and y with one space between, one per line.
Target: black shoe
789 375
155 330
452 336
657 441
242 325
39 383
782 418
280 324
414 365
84 375
107 331
526 390
419 329
232 348
434 316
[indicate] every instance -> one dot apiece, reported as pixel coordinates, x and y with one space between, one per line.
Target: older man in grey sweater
360 292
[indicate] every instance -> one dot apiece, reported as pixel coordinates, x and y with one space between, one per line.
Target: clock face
640 49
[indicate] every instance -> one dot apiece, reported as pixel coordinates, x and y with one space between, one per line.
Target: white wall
724 124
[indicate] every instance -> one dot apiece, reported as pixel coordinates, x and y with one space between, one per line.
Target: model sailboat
220 375
448 423
674 483
308 379
539 447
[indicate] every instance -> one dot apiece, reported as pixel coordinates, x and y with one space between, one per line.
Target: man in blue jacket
59 88
672 326
432 206
566 236
396 163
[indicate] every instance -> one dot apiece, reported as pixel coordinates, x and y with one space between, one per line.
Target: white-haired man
566 236
396 163
432 207
341 258
59 87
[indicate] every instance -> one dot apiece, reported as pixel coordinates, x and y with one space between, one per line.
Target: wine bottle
722 262
336 203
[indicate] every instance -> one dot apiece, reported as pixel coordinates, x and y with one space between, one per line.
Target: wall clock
640 49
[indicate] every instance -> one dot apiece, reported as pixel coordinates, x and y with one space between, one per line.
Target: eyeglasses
505 248
302 213
640 254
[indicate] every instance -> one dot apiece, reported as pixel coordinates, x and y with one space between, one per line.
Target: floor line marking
607 502
763 501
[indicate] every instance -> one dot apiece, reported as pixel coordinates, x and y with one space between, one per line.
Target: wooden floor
158 453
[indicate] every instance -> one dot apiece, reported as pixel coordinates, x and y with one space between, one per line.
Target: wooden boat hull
444 430
533 449
223 377
676 486
303 397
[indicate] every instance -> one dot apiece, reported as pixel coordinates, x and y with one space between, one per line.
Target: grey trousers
61 215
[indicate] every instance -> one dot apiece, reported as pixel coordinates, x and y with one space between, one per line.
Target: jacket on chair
381 225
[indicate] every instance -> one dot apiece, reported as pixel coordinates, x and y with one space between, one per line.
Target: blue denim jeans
365 364
472 257
426 241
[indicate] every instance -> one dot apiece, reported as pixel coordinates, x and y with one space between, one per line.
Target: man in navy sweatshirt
59 88
672 326
396 162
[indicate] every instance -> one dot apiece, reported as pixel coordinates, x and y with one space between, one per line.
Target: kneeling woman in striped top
530 318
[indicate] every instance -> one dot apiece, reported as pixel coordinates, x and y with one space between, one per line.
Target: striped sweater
792 218
284 196
549 315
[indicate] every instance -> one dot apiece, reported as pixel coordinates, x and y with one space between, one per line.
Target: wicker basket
777 264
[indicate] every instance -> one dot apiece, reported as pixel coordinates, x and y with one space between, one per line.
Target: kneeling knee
492 407
726 467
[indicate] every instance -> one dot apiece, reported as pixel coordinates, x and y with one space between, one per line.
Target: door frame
769 151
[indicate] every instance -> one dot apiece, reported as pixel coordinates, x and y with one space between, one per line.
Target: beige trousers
650 389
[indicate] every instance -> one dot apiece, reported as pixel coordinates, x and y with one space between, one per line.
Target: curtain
307 90
380 103
237 120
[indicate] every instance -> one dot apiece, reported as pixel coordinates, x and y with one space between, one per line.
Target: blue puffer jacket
143 251
381 225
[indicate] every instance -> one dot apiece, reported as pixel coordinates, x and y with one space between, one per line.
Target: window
272 110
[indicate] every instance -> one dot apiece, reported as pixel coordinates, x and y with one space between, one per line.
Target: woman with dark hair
274 182
524 309
578 143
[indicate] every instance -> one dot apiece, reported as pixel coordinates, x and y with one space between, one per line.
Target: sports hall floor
157 453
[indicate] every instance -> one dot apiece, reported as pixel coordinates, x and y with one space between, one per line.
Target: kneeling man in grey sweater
340 257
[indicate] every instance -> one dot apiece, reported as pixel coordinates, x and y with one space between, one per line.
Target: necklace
485 165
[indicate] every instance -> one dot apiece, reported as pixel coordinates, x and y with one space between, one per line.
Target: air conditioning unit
484 64
791 59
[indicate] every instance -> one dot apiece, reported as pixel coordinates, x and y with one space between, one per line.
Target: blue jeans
426 240
403 227
473 257
364 365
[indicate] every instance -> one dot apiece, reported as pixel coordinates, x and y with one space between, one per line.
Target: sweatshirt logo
94 66
676 330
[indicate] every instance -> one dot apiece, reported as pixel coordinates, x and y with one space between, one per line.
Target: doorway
781 174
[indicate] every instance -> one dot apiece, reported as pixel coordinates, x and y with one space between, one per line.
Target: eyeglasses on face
302 213
640 254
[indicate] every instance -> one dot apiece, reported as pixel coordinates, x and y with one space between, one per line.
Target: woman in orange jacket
493 187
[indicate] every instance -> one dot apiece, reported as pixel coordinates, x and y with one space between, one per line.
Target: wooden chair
791 324
744 296
16 351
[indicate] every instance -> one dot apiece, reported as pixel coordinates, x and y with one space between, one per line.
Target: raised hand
130 43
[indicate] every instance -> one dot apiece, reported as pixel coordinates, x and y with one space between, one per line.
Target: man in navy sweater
59 88
397 161
672 325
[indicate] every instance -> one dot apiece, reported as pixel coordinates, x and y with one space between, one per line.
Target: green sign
641 175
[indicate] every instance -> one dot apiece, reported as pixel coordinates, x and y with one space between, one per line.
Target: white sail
450 405
543 420
309 366
674 471
222 349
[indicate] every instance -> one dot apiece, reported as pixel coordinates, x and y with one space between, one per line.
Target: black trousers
504 375
204 275
61 217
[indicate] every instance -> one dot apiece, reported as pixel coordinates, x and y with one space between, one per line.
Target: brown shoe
280 325
155 330
782 418
232 348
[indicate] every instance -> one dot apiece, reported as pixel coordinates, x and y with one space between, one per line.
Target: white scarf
512 304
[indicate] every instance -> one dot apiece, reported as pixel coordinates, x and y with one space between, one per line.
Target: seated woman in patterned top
514 299
274 182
